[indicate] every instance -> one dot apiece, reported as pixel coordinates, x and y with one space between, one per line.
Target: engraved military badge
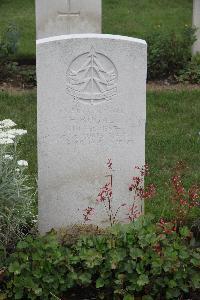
92 78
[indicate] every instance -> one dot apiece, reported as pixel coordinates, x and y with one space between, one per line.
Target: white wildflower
17 170
7 123
9 157
6 141
16 132
22 163
6 135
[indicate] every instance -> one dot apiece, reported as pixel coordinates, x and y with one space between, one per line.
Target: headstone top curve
67 17
90 35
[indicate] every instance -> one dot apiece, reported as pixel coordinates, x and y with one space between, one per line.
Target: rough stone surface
196 23
60 17
91 108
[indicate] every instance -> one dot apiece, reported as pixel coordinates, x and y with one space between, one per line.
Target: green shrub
8 48
9 42
129 260
39 268
168 52
191 73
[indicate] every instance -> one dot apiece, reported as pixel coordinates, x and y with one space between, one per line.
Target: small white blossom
6 135
22 163
16 132
7 123
17 170
9 157
6 141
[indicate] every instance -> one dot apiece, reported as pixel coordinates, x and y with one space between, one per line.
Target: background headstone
196 23
60 17
91 108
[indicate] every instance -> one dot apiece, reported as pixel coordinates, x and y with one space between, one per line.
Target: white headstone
196 23
59 17
91 108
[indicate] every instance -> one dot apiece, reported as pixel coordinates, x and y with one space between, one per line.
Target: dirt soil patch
23 79
165 85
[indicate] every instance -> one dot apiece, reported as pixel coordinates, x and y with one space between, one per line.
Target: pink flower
109 164
87 213
133 212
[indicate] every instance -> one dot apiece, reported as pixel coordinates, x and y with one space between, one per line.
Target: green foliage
129 261
16 196
168 52
28 75
191 73
9 42
39 267
8 48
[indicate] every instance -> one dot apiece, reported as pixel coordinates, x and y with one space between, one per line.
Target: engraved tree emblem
92 78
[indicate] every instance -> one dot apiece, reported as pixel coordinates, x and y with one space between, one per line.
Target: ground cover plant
141 259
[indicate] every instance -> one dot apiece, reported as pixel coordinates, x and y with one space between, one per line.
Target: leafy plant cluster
169 53
191 73
9 41
16 196
169 57
127 261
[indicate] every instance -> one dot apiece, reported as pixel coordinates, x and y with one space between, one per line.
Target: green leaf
38 291
172 283
173 293
19 294
147 297
100 283
128 297
196 281
136 252
85 278
22 245
14 268
143 280
184 231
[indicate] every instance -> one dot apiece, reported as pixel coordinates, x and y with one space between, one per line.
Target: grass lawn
125 17
22 14
172 135
22 110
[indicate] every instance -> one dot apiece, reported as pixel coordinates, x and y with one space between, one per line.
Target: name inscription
86 128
